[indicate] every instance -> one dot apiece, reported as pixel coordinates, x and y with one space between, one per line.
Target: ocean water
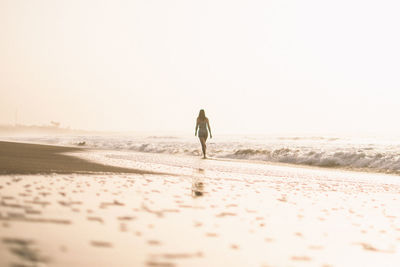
378 154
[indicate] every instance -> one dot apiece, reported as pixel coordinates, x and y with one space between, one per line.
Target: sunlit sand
202 213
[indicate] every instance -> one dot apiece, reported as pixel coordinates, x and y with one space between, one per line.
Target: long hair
202 115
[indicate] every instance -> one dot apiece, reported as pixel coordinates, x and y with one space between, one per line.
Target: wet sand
206 213
20 158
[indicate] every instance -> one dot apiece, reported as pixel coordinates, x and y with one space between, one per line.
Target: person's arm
197 126
209 128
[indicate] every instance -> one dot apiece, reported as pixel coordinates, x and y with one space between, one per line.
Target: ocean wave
389 162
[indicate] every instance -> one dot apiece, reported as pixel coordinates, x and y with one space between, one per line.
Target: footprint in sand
372 248
160 264
211 234
123 227
234 246
96 219
25 250
126 218
315 247
154 242
198 224
298 234
301 258
103 244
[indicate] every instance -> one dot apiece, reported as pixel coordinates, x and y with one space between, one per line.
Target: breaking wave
344 159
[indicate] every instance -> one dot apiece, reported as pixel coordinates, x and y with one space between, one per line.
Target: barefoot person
202 125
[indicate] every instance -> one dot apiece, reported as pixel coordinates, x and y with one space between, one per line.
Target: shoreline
38 158
26 158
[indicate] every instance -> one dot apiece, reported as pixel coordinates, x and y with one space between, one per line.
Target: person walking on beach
202 125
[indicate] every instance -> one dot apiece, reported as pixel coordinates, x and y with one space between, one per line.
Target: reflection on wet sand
197 188
197 183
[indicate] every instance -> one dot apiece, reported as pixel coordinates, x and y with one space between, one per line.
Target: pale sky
254 66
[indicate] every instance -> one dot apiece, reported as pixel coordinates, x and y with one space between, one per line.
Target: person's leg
203 146
201 143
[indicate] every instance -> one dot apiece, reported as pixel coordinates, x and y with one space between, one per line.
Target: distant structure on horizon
52 128
16 117
55 124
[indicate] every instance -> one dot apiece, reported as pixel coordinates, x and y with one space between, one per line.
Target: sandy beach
204 213
199 133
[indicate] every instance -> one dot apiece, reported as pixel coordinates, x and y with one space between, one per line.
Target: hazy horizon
148 66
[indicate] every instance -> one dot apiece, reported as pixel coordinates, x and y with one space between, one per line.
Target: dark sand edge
23 158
